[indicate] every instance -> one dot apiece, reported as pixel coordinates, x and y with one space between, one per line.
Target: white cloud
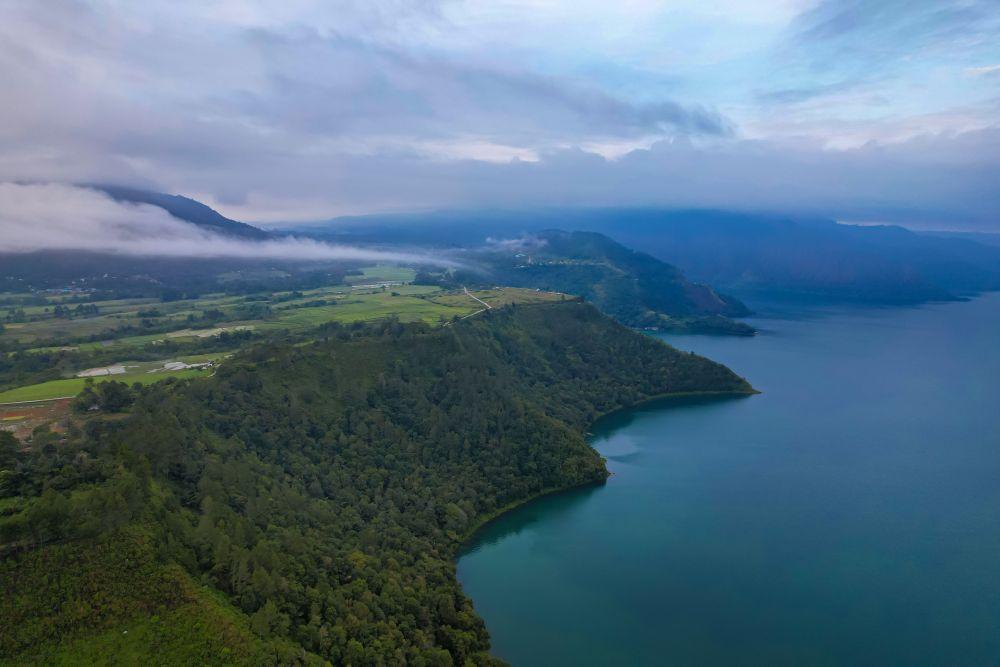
985 69
64 217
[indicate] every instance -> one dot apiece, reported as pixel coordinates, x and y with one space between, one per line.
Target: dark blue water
850 514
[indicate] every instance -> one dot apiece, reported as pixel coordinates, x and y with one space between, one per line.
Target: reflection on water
546 508
622 418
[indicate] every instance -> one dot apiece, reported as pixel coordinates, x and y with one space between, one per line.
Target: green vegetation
383 273
85 601
634 288
73 386
322 489
137 322
144 373
47 372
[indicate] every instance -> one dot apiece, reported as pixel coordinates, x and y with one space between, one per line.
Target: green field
409 303
73 386
286 311
44 328
383 273
344 303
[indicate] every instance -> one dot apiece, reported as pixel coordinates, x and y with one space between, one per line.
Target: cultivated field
130 325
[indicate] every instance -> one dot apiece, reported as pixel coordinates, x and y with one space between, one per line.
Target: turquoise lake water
850 514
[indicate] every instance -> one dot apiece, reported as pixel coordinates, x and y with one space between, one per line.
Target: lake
849 514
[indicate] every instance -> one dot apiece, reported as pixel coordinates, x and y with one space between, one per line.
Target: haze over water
850 514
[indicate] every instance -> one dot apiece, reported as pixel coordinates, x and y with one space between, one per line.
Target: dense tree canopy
325 488
634 288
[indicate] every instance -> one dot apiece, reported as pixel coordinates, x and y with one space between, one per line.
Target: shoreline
731 393
468 538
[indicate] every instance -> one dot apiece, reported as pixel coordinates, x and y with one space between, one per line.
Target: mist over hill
143 242
746 254
633 287
186 209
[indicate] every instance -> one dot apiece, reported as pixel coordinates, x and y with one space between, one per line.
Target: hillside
185 209
748 254
321 490
111 596
769 255
633 287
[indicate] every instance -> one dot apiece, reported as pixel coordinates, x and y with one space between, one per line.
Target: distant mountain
185 209
986 238
752 254
749 255
633 287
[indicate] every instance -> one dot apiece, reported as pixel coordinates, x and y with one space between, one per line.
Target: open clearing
73 386
22 418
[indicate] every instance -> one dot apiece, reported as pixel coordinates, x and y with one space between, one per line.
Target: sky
863 111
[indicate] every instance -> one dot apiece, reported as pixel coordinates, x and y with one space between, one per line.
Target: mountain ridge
748 254
183 208
631 286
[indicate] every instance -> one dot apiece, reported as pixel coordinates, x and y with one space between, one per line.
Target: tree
266 619
10 449
114 396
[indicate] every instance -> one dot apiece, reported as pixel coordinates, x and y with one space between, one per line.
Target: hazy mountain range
749 255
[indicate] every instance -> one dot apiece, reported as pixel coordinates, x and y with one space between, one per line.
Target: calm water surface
850 514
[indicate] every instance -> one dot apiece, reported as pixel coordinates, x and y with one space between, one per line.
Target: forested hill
631 286
753 255
311 498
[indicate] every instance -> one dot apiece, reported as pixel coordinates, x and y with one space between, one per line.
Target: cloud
902 24
312 108
881 67
175 91
796 95
64 217
393 93
935 180
984 70
525 242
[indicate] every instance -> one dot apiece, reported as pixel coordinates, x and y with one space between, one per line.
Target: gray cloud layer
930 182
274 117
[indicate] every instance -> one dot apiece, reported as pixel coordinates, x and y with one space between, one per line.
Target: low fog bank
61 217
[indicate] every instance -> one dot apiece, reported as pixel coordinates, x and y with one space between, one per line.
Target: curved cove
849 514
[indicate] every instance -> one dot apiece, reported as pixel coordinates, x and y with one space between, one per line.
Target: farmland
72 386
141 334
123 321
141 372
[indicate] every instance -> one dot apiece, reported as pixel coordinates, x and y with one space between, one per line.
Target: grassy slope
82 602
632 287
382 272
410 303
73 386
